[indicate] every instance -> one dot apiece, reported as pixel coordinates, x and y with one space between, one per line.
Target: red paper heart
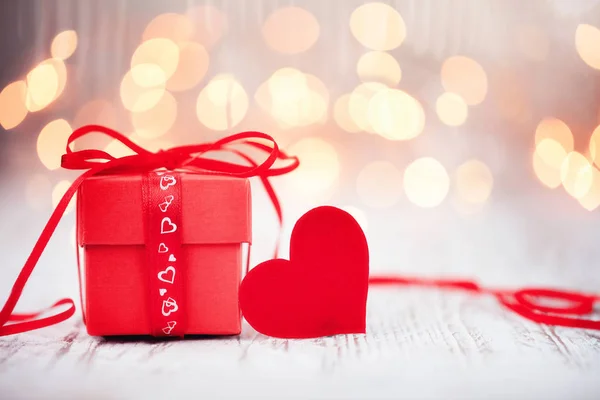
322 290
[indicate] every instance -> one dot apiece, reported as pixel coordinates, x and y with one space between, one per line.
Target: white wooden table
420 344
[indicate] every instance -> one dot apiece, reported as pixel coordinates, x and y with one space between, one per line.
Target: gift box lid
215 209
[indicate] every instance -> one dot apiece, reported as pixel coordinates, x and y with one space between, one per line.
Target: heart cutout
166 181
167 226
168 275
322 290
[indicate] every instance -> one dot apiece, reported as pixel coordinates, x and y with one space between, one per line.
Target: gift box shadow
151 339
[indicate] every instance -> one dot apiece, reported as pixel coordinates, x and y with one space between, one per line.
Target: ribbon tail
6 314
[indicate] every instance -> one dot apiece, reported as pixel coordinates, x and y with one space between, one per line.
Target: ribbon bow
97 162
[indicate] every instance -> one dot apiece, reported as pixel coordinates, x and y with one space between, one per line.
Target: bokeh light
58 192
594 146
13 108
172 26
341 114
97 112
379 66
64 45
576 174
396 115
290 30
587 43
52 142
473 182
548 158
465 77
210 24
359 102
158 51
294 98
158 120
379 184
222 104
426 182
378 26
118 149
591 200
192 67
451 109
359 215
144 92
45 83
318 171
555 129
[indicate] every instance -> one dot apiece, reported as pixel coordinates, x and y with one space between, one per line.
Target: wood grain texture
420 344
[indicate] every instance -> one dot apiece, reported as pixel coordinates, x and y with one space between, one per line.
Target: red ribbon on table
97 162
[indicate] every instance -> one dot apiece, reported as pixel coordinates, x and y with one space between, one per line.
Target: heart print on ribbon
163 202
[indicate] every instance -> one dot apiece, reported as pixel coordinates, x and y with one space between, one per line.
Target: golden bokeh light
45 83
118 149
210 24
555 129
594 146
13 108
192 67
172 26
359 102
587 43
58 192
319 169
426 182
379 184
378 26
139 98
290 30
96 112
222 104
576 174
396 115
451 109
52 142
64 45
294 98
379 66
465 77
161 52
359 215
341 114
37 191
473 182
591 200
156 121
532 42
547 161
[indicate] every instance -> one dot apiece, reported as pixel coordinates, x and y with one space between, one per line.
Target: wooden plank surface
420 344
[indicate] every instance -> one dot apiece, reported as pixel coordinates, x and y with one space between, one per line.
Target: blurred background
462 134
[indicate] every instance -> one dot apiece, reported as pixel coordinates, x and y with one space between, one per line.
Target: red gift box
215 225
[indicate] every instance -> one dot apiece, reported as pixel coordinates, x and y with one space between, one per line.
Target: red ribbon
96 162
574 304
163 220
